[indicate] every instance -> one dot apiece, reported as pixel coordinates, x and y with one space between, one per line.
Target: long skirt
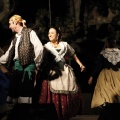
107 88
67 105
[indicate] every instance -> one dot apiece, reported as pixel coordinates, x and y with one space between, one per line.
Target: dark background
90 48
28 8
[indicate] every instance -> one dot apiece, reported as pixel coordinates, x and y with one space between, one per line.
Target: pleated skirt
107 88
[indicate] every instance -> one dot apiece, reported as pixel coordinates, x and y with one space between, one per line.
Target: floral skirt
67 105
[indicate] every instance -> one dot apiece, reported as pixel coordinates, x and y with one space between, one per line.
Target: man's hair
18 19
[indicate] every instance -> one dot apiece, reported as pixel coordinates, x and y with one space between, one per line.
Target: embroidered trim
63 91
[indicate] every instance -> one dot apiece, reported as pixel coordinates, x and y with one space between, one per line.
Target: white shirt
38 49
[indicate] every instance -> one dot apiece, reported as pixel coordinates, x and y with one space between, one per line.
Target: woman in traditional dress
59 84
107 71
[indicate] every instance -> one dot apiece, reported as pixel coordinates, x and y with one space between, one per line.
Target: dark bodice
103 63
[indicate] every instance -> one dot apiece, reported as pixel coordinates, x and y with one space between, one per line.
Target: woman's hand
90 80
82 68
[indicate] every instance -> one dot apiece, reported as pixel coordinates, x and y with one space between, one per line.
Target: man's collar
19 33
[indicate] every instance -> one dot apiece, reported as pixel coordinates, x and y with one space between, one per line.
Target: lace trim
112 55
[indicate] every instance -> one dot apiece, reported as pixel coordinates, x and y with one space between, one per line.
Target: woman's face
53 35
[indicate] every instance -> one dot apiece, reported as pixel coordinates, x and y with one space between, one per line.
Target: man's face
12 25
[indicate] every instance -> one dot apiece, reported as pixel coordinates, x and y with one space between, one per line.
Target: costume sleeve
4 57
38 48
70 51
98 66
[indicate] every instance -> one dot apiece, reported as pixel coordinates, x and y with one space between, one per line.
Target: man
24 55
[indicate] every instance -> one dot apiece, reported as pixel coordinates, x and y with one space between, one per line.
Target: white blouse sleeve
4 58
38 47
